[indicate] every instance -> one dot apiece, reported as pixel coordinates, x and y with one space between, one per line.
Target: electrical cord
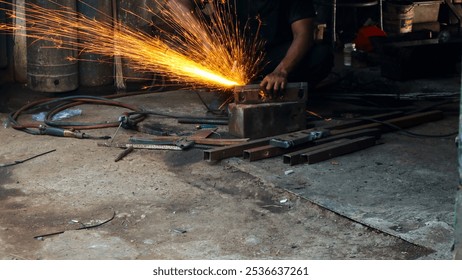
64 103
128 120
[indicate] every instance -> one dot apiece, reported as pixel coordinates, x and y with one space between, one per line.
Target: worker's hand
275 81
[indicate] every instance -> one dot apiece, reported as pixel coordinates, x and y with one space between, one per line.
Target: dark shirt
276 17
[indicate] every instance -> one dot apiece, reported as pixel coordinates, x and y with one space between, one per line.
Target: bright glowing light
208 52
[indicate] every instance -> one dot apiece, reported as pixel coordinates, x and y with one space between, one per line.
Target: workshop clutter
417 41
47 68
398 17
426 11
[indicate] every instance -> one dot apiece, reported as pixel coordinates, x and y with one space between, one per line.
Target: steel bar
233 150
349 146
351 135
238 149
402 122
295 157
27 159
357 122
203 141
200 137
269 151
217 121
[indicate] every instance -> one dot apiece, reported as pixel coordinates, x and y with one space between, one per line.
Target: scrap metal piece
27 159
42 236
295 157
124 153
213 121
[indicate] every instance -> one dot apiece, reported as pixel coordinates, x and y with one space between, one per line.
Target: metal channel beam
238 149
347 147
269 151
402 122
295 157
233 150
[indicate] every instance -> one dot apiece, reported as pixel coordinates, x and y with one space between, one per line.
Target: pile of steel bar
341 139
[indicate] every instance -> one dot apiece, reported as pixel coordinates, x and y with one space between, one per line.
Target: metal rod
348 147
216 121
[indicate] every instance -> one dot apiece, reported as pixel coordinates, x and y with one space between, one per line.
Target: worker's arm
303 40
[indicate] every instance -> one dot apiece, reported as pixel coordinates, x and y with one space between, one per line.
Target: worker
286 26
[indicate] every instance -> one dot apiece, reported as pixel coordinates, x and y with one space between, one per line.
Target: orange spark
210 53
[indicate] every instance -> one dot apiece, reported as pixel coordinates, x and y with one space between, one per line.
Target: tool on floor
115 133
288 143
83 226
61 132
24 160
181 143
124 153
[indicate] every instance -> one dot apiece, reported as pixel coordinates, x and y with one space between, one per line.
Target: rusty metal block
267 119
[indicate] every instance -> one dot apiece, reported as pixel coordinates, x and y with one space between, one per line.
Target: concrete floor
391 201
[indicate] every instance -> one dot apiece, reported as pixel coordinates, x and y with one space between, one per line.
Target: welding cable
76 100
67 102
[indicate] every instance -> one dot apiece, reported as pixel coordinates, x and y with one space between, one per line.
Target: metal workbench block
268 119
